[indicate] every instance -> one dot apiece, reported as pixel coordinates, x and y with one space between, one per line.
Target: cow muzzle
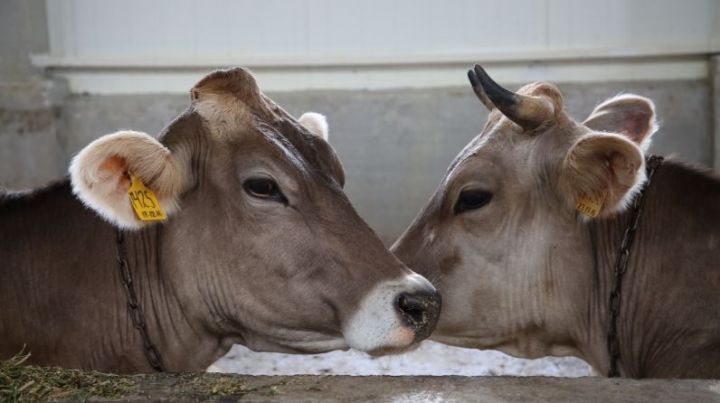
420 311
394 316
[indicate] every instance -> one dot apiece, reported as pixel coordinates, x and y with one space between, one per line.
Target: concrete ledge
428 389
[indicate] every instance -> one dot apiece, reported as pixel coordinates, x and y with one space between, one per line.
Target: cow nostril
412 308
420 311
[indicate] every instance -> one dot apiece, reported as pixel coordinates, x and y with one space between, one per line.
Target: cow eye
471 199
264 188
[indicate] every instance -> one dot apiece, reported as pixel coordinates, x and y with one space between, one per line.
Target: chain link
613 343
134 309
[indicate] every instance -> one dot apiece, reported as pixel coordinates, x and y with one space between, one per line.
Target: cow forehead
232 106
502 140
279 149
488 145
307 151
468 153
281 139
284 149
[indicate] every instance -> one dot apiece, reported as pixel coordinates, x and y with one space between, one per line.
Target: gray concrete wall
22 31
30 105
395 145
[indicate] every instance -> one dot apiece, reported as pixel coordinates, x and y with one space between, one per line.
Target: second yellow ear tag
144 202
590 206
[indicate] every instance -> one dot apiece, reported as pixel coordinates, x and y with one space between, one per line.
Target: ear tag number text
590 206
144 202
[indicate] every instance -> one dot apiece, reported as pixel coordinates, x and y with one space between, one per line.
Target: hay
21 383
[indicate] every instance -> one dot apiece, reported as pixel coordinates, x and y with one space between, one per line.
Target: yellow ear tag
144 201
590 206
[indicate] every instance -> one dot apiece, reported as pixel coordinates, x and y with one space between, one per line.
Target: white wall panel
345 29
169 34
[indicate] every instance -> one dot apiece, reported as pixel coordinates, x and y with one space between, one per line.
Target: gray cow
261 247
522 271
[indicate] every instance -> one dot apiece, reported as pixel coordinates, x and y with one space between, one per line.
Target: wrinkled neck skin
582 281
668 325
174 325
63 297
186 322
182 304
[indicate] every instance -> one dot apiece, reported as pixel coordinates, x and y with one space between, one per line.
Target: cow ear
605 169
630 115
100 175
316 123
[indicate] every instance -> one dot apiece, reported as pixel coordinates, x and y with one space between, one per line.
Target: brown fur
528 275
225 268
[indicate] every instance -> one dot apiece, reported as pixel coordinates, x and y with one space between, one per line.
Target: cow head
501 237
262 247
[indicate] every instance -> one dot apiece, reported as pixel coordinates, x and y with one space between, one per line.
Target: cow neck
621 266
135 309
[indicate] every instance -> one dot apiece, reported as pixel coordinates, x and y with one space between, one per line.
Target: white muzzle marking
377 323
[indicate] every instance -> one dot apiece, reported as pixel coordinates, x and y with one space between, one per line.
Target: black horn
527 111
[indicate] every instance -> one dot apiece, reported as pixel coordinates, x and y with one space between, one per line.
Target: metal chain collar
613 343
134 309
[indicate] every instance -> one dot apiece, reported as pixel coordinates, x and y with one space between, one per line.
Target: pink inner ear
636 127
623 169
116 167
632 116
601 164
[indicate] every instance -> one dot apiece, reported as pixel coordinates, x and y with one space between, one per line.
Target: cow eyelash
264 188
471 199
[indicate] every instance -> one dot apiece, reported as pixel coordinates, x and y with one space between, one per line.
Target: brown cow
261 247
523 272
